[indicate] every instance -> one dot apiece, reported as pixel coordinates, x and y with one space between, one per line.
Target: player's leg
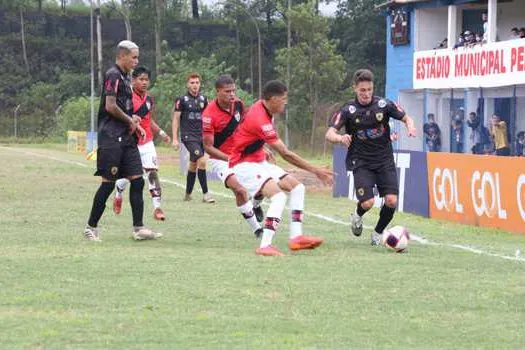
133 171
108 162
364 182
120 187
201 175
296 190
190 179
242 198
388 189
148 156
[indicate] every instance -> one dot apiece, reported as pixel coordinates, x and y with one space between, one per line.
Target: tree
195 9
124 11
316 73
157 6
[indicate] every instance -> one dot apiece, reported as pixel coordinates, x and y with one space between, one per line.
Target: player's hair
223 80
125 46
141 70
363 75
193 75
273 88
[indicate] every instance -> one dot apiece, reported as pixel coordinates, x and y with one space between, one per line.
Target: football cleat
375 239
158 214
207 198
117 205
91 234
142 234
259 213
258 233
187 197
268 251
356 224
304 242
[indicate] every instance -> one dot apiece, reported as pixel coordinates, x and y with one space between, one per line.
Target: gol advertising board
411 173
478 190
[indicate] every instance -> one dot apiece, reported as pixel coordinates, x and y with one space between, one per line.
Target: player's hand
394 136
346 140
166 138
270 158
141 132
175 144
412 132
136 119
325 175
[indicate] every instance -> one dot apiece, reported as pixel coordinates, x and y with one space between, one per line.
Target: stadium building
427 74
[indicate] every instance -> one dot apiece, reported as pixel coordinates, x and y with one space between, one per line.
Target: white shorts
220 168
148 155
253 176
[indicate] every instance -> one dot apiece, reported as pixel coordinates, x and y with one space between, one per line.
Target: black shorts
117 162
365 179
196 149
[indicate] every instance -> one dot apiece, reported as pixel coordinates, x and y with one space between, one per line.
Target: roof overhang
397 3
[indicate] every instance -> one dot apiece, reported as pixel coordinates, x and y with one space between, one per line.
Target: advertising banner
478 190
412 177
489 65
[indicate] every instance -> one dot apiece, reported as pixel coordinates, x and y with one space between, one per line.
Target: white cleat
91 234
376 239
142 234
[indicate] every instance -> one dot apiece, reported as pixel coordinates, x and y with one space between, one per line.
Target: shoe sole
267 254
298 246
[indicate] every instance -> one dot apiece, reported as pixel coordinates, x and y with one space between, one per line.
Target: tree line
46 51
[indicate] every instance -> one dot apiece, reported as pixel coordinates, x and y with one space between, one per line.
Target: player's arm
395 111
336 123
175 122
323 174
208 140
409 123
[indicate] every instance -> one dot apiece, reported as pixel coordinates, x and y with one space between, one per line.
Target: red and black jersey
190 108
110 129
142 106
222 124
368 125
254 130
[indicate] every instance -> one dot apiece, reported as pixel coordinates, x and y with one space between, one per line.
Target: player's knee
201 162
391 201
192 166
367 204
238 190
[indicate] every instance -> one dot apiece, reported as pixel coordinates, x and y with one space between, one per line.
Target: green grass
202 286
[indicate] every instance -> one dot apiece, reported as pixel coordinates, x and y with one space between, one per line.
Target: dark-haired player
248 160
144 107
370 155
117 153
187 114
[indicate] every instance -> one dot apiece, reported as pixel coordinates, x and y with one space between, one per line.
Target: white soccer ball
396 238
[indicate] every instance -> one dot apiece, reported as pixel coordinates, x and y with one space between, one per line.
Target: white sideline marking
413 237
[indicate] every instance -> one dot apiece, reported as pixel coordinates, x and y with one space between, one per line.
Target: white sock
120 185
273 218
296 210
247 212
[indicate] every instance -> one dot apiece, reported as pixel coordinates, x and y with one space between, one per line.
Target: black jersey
111 130
370 131
190 108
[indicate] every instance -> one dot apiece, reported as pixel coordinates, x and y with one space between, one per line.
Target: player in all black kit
370 155
187 113
117 154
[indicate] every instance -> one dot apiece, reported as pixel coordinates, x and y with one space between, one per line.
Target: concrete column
493 20
452 25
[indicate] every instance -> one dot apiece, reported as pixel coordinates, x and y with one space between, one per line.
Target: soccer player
144 107
248 160
370 155
117 154
187 113
219 121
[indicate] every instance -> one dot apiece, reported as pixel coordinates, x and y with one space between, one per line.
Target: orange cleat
158 214
268 251
117 204
304 242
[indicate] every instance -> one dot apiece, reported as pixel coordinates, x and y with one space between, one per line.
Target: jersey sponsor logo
370 134
352 109
381 103
268 129
114 170
379 116
361 191
206 120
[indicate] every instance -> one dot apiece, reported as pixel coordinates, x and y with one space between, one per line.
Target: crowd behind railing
469 38
484 140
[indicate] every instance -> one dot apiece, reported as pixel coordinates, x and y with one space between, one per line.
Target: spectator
443 44
514 33
432 134
520 144
474 122
522 33
498 131
457 131
461 41
485 19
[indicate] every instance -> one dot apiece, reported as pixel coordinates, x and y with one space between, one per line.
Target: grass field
202 286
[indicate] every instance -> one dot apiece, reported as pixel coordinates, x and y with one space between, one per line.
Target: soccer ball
396 238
